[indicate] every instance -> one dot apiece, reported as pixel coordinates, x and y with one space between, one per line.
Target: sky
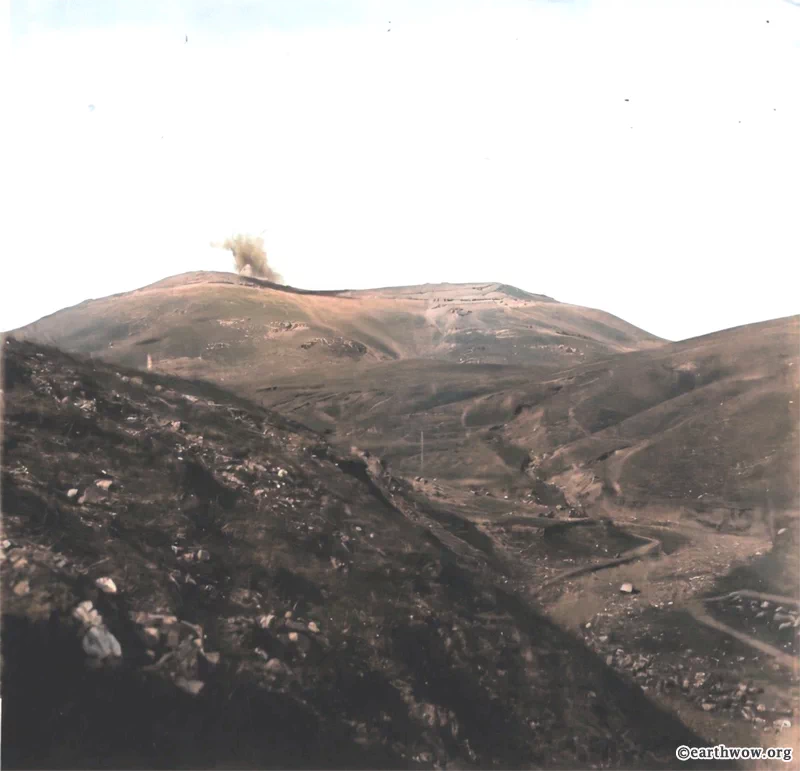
638 157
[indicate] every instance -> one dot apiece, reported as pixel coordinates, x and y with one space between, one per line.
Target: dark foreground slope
216 520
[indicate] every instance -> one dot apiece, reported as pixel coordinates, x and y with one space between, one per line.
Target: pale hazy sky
639 157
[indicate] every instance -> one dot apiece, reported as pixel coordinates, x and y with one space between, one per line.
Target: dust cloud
250 257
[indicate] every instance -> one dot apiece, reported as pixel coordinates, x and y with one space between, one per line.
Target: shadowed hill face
706 424
710 422
316 623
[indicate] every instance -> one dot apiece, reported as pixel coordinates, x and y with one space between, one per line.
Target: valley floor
711 630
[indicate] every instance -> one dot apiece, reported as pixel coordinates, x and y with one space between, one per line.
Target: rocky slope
191 580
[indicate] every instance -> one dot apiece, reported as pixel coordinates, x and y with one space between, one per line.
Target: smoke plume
250 257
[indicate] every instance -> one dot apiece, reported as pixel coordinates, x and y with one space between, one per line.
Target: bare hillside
510 389
191 580
247 330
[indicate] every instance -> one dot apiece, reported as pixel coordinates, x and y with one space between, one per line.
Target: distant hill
251 330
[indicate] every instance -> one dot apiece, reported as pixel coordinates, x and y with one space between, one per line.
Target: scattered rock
104 484
707 706
266 621
627 588
106 585
192 687
312 627
173 637
149 619
282 472
196 628
99 643
293 636
22 588
86 614
211 658
73 493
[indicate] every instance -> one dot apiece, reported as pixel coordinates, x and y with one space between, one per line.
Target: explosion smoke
250 257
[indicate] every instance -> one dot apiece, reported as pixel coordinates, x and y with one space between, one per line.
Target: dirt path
779 599
652 545
695 607
699 614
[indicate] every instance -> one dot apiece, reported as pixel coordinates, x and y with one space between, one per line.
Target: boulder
276 666
99 643
192 687
87 614
106 585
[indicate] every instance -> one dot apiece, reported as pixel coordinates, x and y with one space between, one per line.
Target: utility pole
421 452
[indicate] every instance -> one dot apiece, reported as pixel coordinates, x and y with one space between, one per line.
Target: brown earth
406 646
565 453
707 426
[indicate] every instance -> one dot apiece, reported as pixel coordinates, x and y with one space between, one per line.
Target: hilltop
206 323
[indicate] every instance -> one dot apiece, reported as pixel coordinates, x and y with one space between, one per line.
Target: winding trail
780 599
699 614
631 555
696 607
